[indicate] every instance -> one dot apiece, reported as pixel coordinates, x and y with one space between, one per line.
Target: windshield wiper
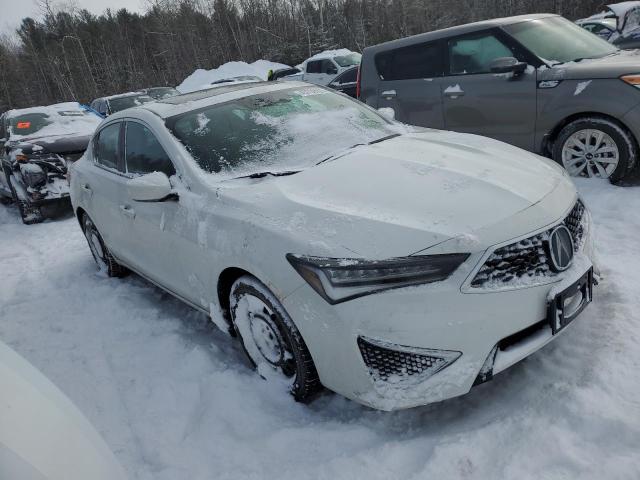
267 173
388 137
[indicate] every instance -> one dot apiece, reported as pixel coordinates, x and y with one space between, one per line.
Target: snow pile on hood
327 54
69 118
202 78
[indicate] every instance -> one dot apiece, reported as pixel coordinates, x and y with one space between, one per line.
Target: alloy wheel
590 153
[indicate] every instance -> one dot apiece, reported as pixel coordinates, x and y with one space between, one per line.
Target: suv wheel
595 147
270 339
99 250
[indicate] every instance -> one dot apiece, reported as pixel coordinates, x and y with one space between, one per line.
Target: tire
595 147
270 339
99 250
29 213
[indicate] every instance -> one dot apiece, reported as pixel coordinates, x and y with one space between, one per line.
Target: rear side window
469 55
314 66
416 61
143 152
106 146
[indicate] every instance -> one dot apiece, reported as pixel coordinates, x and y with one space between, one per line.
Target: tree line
70 54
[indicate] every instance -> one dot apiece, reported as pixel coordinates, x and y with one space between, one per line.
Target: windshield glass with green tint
348 60
283 130
557 40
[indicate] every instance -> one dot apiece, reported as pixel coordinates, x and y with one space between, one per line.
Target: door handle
128 211
389 93
454 93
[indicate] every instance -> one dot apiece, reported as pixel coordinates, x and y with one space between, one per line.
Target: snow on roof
340 52
69 118
202 78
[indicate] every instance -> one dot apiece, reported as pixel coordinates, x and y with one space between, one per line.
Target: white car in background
43 436
324 67
396 267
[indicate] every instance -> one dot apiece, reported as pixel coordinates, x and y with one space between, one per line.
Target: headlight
340 279
633 80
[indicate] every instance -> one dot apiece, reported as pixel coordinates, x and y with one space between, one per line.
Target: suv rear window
415 61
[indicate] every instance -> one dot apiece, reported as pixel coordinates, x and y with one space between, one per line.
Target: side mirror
507 65
387 112
152 187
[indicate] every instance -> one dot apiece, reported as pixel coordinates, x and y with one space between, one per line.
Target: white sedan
396 267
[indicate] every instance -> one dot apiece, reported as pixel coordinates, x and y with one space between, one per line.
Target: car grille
384 363
527 259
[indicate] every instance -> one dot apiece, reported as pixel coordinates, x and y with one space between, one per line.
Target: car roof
186 102
458 30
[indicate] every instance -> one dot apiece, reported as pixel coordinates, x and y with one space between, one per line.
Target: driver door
474 100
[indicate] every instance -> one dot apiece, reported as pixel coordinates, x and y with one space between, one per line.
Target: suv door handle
388 93
128 211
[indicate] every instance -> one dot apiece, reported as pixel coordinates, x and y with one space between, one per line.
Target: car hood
62 144
408 193
613 66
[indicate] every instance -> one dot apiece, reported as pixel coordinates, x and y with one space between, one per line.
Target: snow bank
202 78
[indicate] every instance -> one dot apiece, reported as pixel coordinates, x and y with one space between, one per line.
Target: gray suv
539 82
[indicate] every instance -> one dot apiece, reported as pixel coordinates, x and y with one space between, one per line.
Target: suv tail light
358 82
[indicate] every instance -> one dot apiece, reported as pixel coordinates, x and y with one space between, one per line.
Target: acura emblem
560 248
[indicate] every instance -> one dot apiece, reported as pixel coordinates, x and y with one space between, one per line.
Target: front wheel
99 250
270 339
595 147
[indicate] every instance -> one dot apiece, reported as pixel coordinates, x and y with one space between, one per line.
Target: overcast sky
13 11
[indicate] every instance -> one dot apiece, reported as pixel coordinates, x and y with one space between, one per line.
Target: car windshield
557 40
348 60
51 122
279 131
120 103
162 92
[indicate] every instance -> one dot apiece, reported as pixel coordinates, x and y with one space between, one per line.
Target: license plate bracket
569 303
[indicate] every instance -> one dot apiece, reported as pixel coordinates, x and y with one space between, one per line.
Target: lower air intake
388 362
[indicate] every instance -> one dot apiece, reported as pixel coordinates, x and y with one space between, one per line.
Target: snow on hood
419 189
80 122
202 78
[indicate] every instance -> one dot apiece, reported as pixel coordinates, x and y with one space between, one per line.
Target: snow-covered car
43 436
396 266
158 93
106 106
618 23
38 144
324 67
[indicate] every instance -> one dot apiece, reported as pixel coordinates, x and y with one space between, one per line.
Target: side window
143 152
328 67
350 76
468 55
423 60
314 66
106 146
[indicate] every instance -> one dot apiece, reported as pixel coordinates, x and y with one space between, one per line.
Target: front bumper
496 326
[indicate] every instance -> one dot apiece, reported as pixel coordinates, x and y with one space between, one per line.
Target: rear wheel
595 147
270 339
99 250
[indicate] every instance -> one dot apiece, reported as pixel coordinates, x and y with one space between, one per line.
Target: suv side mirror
152 187
507 65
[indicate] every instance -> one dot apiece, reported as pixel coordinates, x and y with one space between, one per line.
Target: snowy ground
175 400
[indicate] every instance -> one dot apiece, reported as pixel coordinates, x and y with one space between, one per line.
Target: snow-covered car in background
324 67
106 106
43 436
394 266
38 144
158 93
619 24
